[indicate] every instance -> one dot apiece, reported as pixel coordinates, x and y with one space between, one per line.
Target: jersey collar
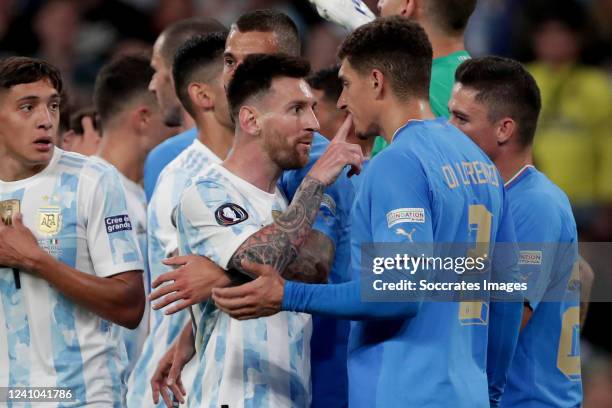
519 174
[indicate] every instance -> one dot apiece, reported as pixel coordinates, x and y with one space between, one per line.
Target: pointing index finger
346 129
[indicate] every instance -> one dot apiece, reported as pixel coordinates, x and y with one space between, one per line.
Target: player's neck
122 151
443 44
13 170
510 164
397 114
216 137
251 163
187 122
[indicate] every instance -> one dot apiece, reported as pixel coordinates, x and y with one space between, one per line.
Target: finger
166 397
17 219
155 390
164 277
256 268
171 298
176 260
236 292
178 307
344 130
177 393
232 304
182 389
162 291
173 378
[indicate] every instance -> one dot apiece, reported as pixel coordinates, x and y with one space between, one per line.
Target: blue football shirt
545 371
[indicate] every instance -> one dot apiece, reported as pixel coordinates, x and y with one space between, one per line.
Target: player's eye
54 106
27 107
228 62
297 109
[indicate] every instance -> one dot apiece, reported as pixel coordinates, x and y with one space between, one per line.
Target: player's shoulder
85 167
172 146
534 193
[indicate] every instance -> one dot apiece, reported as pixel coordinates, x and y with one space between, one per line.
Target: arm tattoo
314 260
278 244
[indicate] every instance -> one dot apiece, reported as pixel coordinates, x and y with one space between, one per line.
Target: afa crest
49 220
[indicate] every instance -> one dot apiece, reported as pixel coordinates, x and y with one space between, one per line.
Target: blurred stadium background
567 45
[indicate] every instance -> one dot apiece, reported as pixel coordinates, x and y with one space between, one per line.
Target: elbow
133 309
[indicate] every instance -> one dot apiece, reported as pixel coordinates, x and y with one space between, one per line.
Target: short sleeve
111 237
212 223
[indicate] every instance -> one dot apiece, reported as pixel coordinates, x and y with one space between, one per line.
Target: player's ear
377 81
408 8
506 129
248 120
200 96
140 118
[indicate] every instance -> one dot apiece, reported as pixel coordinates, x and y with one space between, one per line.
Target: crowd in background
566 45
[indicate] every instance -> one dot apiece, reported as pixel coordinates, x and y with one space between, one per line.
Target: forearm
504 328
314 261
115 300
342 301
278 244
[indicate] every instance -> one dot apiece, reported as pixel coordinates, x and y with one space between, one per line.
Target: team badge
230 214
49 220
7 209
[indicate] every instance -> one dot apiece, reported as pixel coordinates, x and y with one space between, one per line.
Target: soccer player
161 84
71 263
197 77
497 102
132 125
444 22
266 32
222 215
425 353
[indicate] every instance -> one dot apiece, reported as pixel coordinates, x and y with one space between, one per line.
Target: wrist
36 262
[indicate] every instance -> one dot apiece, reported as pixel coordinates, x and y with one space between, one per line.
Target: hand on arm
189 284
119 298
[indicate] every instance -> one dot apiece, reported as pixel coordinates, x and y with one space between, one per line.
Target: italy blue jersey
163 154
545 371
438 187
330 336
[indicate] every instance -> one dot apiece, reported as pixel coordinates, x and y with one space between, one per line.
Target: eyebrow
53 96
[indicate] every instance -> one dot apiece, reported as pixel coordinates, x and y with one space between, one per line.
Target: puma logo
401 231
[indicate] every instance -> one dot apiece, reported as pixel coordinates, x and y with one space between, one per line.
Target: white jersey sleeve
111 237
211 223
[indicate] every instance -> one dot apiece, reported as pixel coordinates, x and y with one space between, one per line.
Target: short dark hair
506 88
256 73
327 80
25 70
179 32
274 21
399 48
119 82
199 59
76 120
450 16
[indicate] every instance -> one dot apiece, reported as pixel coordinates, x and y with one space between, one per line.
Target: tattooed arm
279 244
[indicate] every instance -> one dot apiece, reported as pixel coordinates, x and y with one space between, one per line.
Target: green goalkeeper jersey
440 88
